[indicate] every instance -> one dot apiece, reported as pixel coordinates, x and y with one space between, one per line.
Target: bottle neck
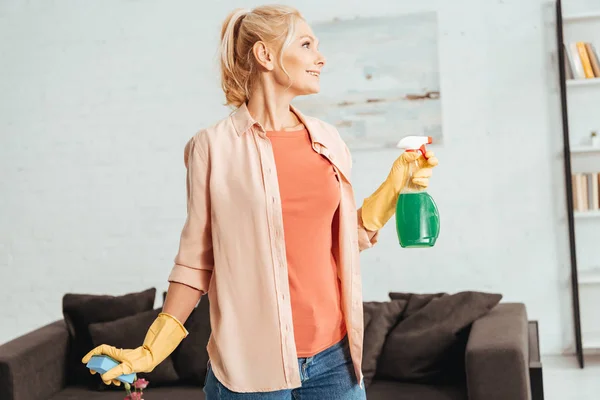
413 189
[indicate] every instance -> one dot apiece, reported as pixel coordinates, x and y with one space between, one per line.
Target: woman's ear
263 55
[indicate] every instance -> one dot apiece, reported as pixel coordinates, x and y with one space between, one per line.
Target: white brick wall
98 99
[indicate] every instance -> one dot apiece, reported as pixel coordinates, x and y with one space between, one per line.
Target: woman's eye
306 44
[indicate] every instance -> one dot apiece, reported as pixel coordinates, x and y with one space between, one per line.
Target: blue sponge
103 363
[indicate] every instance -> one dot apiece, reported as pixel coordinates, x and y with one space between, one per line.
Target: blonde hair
240 31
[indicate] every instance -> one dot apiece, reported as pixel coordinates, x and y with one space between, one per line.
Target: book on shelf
586 191
581 61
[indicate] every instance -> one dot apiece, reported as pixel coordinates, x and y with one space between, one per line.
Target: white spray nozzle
413 142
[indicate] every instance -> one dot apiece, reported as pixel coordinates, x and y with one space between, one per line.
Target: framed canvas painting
381 79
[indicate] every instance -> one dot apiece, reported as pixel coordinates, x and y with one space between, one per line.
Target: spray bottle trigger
421 150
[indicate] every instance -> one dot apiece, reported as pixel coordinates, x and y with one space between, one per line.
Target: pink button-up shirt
232 248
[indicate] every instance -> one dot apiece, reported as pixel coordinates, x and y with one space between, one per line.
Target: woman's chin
313 89
308 90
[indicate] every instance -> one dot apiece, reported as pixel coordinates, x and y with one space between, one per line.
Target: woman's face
302 61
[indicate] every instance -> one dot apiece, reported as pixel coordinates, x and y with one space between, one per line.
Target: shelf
590 277
587 214
584 149
581 17
593 344
583 82
591 339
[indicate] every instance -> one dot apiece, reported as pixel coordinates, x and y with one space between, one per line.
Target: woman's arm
181 300
366 238
189 278
194 262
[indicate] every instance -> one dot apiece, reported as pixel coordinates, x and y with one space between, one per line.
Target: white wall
99 98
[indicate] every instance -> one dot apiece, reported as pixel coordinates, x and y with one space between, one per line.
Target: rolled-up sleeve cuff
196 278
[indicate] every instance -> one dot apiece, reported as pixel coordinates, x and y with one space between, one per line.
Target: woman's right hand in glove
163 337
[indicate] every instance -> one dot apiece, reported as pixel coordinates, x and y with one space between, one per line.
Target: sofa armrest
497 355
535 362
33 366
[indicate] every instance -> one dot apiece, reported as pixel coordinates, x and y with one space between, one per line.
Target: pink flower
136 396
140 383
128 397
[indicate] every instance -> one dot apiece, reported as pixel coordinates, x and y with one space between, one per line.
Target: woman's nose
320 60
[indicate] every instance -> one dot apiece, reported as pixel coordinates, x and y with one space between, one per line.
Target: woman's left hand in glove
378 208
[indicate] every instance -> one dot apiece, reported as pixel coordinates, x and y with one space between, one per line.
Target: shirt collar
243 121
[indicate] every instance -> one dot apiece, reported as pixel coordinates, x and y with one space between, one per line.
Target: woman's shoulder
219 137
218 128
204 136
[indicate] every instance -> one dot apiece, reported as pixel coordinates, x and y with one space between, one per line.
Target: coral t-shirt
310 196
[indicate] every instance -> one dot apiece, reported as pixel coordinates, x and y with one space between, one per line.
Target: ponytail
228 35
235 89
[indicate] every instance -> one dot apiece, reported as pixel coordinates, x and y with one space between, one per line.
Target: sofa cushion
379 318
191 356
428 343
150 393
129 333
390 390
81 310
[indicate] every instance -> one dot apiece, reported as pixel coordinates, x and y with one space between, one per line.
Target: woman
272 234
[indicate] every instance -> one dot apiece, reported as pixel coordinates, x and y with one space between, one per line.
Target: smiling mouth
314 73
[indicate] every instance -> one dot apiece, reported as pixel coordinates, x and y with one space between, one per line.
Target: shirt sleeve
194 261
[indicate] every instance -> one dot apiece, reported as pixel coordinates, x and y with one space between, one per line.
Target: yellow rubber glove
163 337
378 208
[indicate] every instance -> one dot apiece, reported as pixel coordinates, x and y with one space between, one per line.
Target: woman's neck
272 111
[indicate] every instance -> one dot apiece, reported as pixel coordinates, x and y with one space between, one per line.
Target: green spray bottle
417 216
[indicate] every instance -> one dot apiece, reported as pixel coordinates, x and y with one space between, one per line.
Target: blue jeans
328 375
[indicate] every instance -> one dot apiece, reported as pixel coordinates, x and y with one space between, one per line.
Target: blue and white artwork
381 79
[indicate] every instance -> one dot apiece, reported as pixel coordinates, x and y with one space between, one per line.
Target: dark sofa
501 362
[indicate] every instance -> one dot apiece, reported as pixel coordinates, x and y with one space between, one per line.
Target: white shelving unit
583 82
571 18
579 100
591 277
587 214
585 149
